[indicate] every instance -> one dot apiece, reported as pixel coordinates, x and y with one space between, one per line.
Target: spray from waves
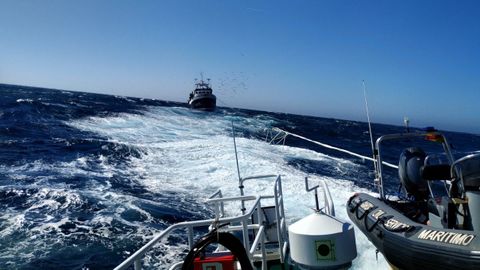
89 210
192 155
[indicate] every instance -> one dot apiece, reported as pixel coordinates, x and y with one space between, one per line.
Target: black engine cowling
410 172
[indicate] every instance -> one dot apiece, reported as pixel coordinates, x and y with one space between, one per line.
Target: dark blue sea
86 179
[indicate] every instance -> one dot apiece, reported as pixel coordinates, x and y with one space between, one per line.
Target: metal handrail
136 258
258 177
460 160
329 205
456 169
281 221
243 179
218 194
138 255
398 136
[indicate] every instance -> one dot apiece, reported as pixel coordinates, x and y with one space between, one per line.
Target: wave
192 155
86 179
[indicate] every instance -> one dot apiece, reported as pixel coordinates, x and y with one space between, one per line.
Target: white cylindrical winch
321 241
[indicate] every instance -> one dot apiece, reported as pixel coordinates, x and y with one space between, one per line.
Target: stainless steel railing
244 220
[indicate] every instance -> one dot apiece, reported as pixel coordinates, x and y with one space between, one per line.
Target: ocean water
86 179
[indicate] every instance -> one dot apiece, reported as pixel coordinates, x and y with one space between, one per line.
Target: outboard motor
409 170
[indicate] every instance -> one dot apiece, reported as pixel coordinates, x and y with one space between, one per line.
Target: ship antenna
240 180
236 155
374 154
368 118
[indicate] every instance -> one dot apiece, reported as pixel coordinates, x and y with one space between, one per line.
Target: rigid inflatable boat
434 223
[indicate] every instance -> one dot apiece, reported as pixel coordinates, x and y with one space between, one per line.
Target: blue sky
419 59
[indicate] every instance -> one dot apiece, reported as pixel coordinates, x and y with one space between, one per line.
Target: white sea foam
27 100
192 153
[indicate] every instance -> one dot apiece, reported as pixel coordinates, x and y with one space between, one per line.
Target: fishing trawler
257 235
202 97
435 222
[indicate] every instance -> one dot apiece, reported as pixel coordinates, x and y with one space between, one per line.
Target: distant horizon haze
399 124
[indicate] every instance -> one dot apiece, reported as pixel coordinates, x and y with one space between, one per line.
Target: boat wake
193 157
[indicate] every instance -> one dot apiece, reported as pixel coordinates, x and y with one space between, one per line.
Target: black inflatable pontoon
411 245
424 229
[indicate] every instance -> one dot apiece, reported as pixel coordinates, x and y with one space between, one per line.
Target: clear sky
419 59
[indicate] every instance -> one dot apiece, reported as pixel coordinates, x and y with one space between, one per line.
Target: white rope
335 148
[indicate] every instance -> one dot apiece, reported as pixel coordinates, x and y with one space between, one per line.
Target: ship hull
203 103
